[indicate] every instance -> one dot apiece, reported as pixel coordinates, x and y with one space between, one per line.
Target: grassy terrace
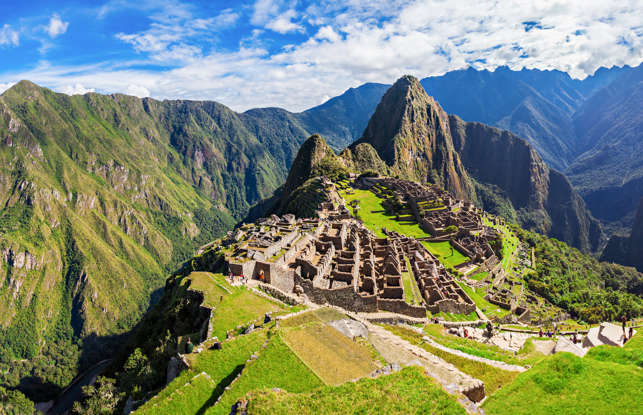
510 244
233 307
276 367
374 217
411 291
408 391
328 353
493 378
526 356
221 365
490 310
446 253
566 384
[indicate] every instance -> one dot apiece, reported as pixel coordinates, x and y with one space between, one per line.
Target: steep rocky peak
410 132
311 152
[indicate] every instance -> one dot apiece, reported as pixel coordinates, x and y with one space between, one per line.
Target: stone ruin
338 261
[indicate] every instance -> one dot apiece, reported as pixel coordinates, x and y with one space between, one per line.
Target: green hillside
101 197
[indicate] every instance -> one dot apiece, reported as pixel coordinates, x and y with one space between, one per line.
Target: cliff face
410 133
627 250
542 198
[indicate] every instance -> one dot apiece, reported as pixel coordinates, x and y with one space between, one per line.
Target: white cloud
137 91
363 41
76 89
56 26
275 15
8 36
283 23
5 86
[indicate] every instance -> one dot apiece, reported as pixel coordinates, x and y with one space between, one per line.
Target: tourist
574 338
466 333
540 332
624 321
631 332
489 329
189 347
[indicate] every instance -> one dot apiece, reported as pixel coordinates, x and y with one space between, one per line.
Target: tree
102 398
138 374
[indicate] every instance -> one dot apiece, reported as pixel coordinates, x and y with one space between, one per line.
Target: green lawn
374 218
411 291
276 367
479 276
490 310
566 384
408 391
472 316
493 378
630 354
446 254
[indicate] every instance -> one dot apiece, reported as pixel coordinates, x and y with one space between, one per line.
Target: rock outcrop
410 133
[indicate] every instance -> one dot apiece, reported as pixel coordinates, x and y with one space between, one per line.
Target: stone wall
344 297
401 307
451 306
242 268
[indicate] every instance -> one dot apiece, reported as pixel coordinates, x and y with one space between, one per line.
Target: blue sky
296 54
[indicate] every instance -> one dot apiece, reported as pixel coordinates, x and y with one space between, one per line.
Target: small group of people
232 279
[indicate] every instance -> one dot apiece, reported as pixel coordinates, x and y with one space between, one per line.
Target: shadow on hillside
220 388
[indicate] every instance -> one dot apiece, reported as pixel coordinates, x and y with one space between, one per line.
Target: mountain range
102 195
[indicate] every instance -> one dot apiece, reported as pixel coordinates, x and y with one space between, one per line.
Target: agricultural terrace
408 391
232 305
510 243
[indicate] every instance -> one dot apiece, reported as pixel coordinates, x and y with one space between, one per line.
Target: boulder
565 345
592 339
611 334
350 328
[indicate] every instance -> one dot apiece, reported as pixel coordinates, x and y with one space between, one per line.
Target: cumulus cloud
276 16
56 26
137 91
76 89
9 36
364 41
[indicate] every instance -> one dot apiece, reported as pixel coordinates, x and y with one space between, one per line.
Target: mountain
415 139
342 119
627 250
410 132
582 128
504 166
608 171
100 197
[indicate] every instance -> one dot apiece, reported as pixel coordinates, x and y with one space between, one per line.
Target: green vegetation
372 213
566 384
445 253
408 391
630 354
490 310
526 356
479 276
472 316
592 291
276 367
13 402
412 293
492 377
331 355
